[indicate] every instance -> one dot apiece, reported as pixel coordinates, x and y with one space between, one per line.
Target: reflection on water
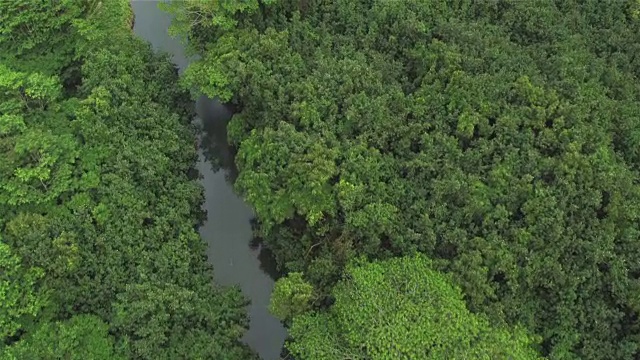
236 258
214 118
215 147
267 261
214 142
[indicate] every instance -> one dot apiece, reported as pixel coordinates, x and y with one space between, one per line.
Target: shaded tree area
100 256
499 138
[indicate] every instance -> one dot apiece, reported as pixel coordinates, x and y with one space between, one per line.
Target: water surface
227 230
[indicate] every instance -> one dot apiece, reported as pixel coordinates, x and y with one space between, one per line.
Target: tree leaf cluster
402 309
99 208
499 138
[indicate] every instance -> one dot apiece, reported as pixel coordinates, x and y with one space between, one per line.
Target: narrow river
227 230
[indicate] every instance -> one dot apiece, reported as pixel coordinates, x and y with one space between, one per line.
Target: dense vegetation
499 138
439 179
99 202
399 309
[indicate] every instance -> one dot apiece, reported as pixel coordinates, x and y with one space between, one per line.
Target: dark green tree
498 138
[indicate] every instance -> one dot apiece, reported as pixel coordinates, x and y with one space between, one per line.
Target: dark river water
227 230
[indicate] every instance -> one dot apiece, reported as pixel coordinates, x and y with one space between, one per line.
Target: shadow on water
227 227
266 258
214 118
214 143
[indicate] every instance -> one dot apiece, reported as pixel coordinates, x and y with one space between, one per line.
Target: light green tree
291 296
402 309
20 297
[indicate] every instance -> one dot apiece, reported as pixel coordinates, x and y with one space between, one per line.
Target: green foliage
98 208
39 35
280 180
102 26
207 19
402 309
157 322
79 338
20 296
291 296
499 138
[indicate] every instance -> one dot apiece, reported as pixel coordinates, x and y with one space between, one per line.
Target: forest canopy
498 138
99 206
410 162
